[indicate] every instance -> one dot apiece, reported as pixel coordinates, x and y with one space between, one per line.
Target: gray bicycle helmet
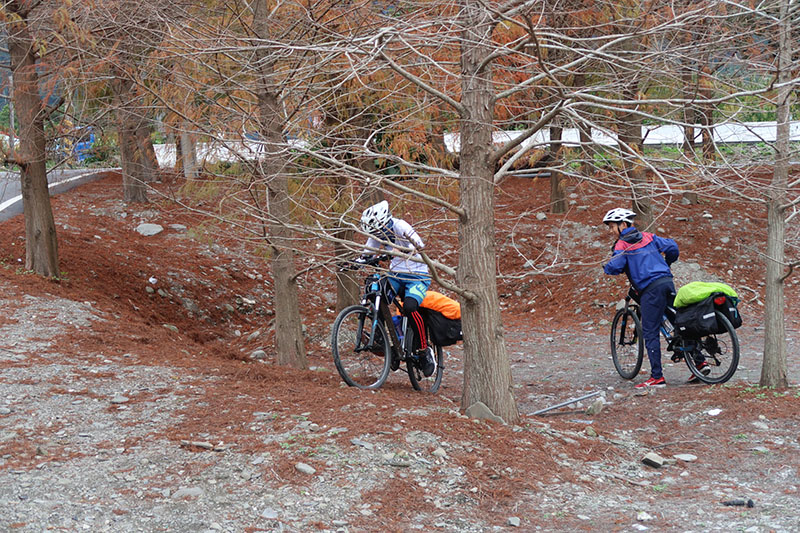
619 214
376 218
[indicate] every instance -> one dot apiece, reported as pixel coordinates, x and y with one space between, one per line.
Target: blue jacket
639 256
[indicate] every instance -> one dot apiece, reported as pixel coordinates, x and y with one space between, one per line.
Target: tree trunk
188 153
630 140
134 171
288 324
688 113
347 282
12 128
584 132
148 152
558 199
774 369
134 189
709 149
487 372
373 194
707 116
41 243
178 141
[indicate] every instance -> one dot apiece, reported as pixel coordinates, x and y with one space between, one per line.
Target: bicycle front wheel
627 343
418 379
358 366
716 357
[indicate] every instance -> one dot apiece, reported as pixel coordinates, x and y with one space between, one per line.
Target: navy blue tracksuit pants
654 301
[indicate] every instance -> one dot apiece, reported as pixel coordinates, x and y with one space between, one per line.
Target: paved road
59 181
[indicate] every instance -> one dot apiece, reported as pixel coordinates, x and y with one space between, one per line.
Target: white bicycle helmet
376 218
619 214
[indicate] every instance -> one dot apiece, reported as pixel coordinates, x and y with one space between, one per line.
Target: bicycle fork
370 344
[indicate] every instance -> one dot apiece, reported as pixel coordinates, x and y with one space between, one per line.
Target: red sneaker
652 382
703 368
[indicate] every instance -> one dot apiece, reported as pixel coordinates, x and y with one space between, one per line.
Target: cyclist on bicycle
409 274
639 256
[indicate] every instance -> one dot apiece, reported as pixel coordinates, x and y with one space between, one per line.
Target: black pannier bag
697 320
443 331
728 306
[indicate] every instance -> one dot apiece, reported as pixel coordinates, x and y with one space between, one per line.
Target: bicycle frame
377 298
675 343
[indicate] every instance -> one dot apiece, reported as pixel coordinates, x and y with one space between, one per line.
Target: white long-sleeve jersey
404 236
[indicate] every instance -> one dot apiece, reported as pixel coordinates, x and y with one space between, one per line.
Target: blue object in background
83 148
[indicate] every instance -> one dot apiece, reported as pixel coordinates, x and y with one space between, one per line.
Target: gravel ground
83 444
122 410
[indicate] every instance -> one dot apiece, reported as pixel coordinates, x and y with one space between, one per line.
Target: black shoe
427 362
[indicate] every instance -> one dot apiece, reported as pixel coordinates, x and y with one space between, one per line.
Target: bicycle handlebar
373 260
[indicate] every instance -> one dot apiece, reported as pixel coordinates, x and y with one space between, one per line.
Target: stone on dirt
119 398
596 407
653 459
739 503
269 513
305 469
364 444
258 355
148 230
481 411
192 492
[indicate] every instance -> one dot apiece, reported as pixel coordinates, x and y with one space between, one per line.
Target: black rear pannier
729 308
443 331
696 320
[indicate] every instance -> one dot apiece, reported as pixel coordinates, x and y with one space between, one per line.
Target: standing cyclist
409 273
639 256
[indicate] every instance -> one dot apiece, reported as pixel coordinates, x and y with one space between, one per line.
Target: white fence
746 132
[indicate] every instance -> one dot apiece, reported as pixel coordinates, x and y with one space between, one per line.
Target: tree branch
421 84
432 267
48 111
433 199
510 145
789 273
370 178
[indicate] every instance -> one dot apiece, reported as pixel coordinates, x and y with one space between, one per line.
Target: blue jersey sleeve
616 265
668 247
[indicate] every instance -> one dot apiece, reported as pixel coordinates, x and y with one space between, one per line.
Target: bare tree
41 243
487 373
288 325
773 370
119 50
135 170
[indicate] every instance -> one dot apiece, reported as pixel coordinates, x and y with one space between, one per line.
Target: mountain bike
367 345
719 351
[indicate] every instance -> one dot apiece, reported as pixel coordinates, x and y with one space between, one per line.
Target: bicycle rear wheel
418 379
627 343
719 352
359 367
